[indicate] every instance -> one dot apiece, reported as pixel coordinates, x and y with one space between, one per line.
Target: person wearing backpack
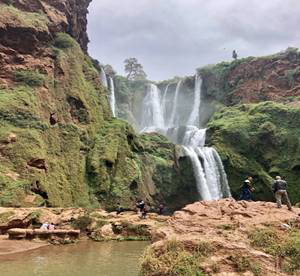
280 190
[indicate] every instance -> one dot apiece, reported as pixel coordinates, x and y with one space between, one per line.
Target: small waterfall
103 78
214 178
197 101
112 98
152 110
202 186
163 103
173 114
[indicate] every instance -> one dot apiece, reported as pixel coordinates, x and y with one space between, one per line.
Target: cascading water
152 110
197 101
103 78
208 169
112 98
172 121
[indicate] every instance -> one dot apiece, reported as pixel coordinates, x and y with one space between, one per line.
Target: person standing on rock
247 189
280 190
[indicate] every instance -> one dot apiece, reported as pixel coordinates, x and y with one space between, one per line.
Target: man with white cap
280 190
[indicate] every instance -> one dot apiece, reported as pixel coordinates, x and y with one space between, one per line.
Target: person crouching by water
280 190
247 189
45 226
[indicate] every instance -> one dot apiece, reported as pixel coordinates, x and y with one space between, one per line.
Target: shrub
243 264
176 258
30 77
64 41
81 223
263 238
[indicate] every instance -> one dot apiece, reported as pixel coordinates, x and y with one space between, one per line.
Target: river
82 259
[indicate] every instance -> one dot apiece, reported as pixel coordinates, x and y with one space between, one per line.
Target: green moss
64 41
28 19
268 144
30 77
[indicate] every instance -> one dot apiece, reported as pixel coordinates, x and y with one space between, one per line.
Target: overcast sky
174 37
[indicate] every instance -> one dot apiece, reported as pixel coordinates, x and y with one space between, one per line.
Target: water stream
84 258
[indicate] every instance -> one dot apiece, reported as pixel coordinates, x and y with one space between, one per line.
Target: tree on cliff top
134 69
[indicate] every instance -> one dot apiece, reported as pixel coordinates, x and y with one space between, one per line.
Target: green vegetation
81 223
268 144
285 247
29 77
64 41
243 264
176 258
38 21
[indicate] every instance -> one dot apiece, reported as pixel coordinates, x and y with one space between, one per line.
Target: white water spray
112 98
103 78
197 101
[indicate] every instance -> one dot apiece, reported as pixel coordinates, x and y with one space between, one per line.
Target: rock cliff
59 144
256 128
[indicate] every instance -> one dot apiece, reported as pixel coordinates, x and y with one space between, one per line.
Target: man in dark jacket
280 190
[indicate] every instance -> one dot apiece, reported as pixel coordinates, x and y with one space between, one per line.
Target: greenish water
82 259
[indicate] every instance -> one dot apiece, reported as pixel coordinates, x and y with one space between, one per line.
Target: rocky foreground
226 237
95 224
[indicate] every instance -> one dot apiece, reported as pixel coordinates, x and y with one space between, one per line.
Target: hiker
161 209
247 189
140 205
145 212
280 190
119 209
53 119
234 55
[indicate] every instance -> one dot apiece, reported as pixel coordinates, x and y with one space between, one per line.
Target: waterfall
202 186
214 178
103 78
163 103
175 102
152 110
197 101
112 99
208 169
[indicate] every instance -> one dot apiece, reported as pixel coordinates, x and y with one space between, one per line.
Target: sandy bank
12 246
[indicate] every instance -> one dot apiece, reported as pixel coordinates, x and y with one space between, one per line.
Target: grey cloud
173 37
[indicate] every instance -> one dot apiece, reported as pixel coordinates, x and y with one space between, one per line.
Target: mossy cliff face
261 140
257 127
59 144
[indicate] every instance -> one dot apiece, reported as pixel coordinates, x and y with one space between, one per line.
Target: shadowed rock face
64 16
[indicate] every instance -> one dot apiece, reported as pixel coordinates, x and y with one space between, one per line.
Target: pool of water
82 259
